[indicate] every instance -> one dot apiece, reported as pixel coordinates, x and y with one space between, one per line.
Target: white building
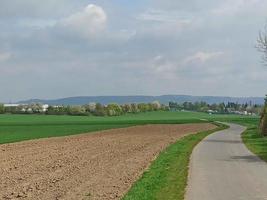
11 105
45 107
26 107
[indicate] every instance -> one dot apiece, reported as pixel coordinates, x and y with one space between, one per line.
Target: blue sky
52 49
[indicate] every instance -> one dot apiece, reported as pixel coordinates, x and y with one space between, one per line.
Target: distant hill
165 99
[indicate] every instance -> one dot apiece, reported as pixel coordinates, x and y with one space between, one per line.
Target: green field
14 128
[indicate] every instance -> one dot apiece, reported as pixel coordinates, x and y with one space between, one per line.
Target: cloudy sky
51 49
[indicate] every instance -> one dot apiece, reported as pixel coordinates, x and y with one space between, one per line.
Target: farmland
104 165
107 150
14 128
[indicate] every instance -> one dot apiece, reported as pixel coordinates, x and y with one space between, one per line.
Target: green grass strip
167 176
255 142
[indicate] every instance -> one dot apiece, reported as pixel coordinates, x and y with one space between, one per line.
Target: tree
91 107
173 106
36 107
144 107
127 108
2 109
262 47
58 110
77 110
99 110
156 105
134 108
263 122
114 109
262 44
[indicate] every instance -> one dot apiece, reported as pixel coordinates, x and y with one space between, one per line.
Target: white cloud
163 16
5 56
203 57
88 22
160 64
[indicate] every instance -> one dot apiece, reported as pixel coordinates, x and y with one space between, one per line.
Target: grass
255 142
15 128
167 175
16 133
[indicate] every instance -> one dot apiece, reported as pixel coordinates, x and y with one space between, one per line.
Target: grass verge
167 175
255 142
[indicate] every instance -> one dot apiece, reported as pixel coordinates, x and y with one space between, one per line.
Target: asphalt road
222 168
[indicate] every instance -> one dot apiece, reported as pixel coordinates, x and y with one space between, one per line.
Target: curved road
222 168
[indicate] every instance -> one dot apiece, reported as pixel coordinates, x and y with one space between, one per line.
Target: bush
2 109
263 123
114 110
77 110
99 110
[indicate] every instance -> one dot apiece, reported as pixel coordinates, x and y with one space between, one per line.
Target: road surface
222 168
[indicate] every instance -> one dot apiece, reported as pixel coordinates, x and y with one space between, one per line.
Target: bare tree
262 47
262 44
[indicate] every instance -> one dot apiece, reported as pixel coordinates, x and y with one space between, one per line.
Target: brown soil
88 166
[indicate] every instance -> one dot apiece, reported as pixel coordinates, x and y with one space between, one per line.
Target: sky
52 49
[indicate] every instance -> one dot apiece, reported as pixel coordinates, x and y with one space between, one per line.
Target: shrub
99 110
2 109
263 123
114 110
77 110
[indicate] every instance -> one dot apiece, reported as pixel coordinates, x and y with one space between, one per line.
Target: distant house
26 107
11 105
45 107
212 111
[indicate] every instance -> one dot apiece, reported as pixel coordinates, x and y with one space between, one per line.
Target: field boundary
166 178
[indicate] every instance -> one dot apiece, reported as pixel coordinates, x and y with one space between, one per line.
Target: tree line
114 109
220 108
95 109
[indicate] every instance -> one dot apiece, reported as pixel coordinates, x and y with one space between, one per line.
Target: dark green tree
2 109
263 122
100 110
